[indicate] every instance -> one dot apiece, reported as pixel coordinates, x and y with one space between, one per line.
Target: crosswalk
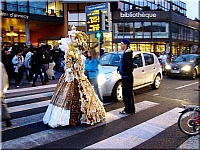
116 132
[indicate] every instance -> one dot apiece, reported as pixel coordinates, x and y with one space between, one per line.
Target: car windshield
185 58
111 59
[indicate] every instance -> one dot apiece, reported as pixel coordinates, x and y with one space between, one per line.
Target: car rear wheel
156 83
194 74
117 92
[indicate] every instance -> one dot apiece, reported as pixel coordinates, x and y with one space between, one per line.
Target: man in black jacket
126 71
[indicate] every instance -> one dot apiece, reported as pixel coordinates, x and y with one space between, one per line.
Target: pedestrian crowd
29 62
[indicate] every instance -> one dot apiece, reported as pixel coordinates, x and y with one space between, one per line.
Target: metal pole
99 45
170 33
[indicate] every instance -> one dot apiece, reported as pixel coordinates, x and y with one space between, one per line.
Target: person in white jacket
18 61
50 71
163 58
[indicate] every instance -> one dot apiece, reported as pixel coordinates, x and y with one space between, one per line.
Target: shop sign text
13 15
137 15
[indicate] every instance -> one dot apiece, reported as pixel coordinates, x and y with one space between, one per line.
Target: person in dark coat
126 71
36 65
7 61
45 63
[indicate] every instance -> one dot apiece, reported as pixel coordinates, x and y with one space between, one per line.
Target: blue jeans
94 83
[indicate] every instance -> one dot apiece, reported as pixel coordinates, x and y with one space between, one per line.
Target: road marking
41 138
185 85
28 106
23 98
31 88
140 133
191 143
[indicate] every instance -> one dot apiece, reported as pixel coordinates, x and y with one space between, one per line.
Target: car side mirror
135 65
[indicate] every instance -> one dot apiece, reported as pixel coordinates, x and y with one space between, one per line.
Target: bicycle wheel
189 122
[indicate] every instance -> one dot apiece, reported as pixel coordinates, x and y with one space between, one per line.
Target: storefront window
118 30
160 29
147 29
128 30
73 16
138 29
142 29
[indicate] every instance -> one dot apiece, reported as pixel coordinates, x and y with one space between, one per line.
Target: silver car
147 71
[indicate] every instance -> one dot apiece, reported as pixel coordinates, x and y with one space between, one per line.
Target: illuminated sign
14 15
137 15
97 18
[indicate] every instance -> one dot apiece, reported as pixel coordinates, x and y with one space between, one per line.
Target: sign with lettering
14 15
137 15
97 18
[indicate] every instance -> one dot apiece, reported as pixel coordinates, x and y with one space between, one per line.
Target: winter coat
17 62
27 59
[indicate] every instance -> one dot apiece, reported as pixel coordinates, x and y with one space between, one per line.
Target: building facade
147 24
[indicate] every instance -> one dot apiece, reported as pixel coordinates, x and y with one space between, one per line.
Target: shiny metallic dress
74 100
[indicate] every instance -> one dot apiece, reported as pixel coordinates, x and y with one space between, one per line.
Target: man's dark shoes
33 85
8 123
123 112
44 83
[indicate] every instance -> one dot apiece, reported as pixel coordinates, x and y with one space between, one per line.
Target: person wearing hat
126 71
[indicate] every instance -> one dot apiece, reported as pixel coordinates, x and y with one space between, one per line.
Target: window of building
11 5
37 7
142 29
22 6
160 29
118 30
175 31
128 30
196 36
191 36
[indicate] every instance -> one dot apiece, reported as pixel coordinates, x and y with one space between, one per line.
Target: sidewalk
25 83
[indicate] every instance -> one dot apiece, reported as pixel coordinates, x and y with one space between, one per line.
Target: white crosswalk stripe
124 140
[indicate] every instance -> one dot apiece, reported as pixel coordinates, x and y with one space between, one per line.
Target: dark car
185 65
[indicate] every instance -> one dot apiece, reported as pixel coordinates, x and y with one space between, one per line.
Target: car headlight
167 67
102 78
186 68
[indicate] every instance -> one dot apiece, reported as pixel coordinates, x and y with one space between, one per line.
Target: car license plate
175 71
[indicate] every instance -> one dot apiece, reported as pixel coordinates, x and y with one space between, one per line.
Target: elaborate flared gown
74 100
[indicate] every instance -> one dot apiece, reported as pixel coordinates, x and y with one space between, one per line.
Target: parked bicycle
189 120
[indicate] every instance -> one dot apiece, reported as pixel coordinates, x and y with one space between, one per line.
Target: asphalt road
154 126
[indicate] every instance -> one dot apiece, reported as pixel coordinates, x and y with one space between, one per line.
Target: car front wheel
117 92
156 83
